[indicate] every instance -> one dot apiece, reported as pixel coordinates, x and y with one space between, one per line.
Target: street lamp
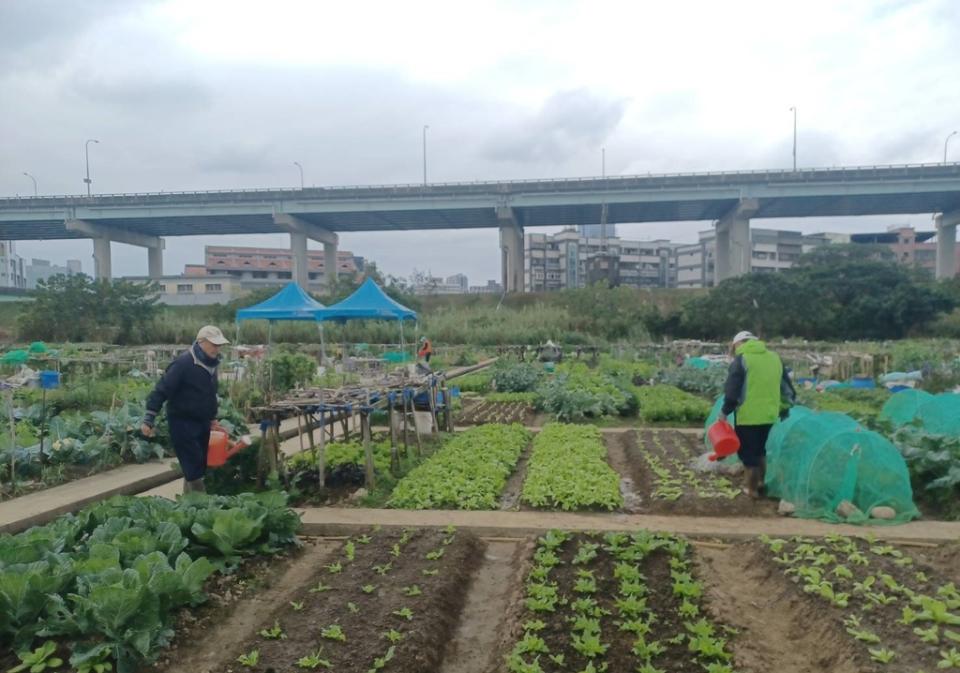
87 155
425 127
34 182
297 164
945 143
794 111
603 162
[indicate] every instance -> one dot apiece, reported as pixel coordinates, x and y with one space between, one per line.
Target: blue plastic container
49 380
863 382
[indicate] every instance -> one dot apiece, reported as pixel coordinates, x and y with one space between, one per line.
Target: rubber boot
195 486
762 477
750 481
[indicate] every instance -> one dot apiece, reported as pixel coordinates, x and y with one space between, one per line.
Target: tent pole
323 347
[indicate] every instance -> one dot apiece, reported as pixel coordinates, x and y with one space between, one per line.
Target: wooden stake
394 458
321 453
432 391
406 447
371 479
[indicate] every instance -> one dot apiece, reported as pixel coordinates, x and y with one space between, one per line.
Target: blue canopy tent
290 303
368 302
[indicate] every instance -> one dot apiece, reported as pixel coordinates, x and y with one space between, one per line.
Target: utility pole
297 164
945 144
35 192
794 110
87 156
425 127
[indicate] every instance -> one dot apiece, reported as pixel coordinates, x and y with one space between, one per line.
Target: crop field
481 411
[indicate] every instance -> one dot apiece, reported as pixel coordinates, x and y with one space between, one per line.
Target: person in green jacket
759 390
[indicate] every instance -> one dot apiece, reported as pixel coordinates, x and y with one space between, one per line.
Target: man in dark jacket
759 390
189 387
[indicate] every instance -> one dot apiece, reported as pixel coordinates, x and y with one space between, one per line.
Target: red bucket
723 438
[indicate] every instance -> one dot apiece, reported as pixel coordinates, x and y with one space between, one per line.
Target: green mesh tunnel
816 460
937 414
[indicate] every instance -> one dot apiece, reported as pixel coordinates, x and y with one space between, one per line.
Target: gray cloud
569 124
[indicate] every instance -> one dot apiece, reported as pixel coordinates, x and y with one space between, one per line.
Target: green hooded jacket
757 387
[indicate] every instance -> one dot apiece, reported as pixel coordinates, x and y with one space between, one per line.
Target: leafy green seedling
314 660
558 659
405 613
393 636
368 588
38 660
863 635
380 662
412 590
383 569
320 588
296 605
364 539
334 632
350 550
435 555
274 632
395 551
430 572
334 568
949 659
250 659
353 608
882 655
534 625
531 644
931 635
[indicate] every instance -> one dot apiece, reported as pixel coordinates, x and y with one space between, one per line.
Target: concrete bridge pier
511 250
300 230
947 244
103 235
733 249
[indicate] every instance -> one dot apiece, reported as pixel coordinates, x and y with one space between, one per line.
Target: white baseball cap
212 334
743 336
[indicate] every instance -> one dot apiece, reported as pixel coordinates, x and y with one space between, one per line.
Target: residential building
264 267
492 287
427 284
771 250
568 260
194 290
42 269
12 272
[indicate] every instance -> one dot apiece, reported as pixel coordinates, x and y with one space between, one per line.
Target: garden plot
388 601
481 411
616 602
899 613
660 465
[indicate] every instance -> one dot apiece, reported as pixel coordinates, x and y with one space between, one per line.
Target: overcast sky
219 94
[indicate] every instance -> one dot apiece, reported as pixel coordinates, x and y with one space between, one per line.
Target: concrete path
337 521
37 508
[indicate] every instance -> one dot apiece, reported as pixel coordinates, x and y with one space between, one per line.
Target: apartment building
264 267
771 250
12 271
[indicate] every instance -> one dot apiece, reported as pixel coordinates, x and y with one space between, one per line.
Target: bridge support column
101 259
330 265
733 251
155 263
947 244
511 250
300 230
105 234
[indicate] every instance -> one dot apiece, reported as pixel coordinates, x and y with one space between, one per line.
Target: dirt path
247 615
340 521
618 460
777 630
476 645
510 499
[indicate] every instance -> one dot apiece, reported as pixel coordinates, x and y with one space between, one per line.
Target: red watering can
723 439
219 449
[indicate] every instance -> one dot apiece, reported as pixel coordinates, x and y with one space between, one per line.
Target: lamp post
297 164
425 127
87 155
794 111
603 162
945 144
35 192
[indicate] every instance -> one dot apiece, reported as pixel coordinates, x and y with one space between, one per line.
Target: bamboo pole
406 445
432 392
394 457
322 453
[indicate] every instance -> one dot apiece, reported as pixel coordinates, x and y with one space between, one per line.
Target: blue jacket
188 386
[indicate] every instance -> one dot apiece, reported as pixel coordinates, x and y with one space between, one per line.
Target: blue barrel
49 380
863 382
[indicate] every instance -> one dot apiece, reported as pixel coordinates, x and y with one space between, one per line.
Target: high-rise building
42 269
596 230
770 250
568 260
12 272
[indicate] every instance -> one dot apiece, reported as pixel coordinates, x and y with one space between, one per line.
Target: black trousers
753 443
190 438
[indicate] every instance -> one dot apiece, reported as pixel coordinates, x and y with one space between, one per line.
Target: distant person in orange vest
426 349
